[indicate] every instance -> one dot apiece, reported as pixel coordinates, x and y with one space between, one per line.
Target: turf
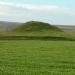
35 26
37 57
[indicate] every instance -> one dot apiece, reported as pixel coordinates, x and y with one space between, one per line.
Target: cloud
11 9
29 6
1 13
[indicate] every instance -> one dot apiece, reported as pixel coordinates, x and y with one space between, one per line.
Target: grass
37 50
37 57
47 35
35 26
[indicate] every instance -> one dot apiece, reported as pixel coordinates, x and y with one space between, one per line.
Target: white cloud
30 6
8 9
5 14
1 13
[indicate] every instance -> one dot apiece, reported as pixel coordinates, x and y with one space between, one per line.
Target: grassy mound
35 30
35 26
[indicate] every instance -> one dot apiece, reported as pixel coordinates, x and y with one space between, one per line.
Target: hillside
34 30
67 28
35 26
6 26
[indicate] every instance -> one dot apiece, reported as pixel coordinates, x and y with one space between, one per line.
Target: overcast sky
52 11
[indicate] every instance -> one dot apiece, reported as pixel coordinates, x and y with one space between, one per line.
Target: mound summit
34 26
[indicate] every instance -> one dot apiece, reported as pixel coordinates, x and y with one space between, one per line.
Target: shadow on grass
35 38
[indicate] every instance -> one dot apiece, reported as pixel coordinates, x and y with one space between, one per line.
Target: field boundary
35 38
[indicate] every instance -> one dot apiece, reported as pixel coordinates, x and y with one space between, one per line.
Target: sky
52 11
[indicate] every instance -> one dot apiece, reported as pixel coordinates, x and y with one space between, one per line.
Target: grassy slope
35 29
69 30
35 26
40 29
28 57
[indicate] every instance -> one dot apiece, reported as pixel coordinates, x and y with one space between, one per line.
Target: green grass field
37 57
37 48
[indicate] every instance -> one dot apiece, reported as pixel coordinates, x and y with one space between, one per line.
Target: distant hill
35 26
6 26
67 28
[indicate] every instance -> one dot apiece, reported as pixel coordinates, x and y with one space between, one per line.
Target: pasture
37 57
